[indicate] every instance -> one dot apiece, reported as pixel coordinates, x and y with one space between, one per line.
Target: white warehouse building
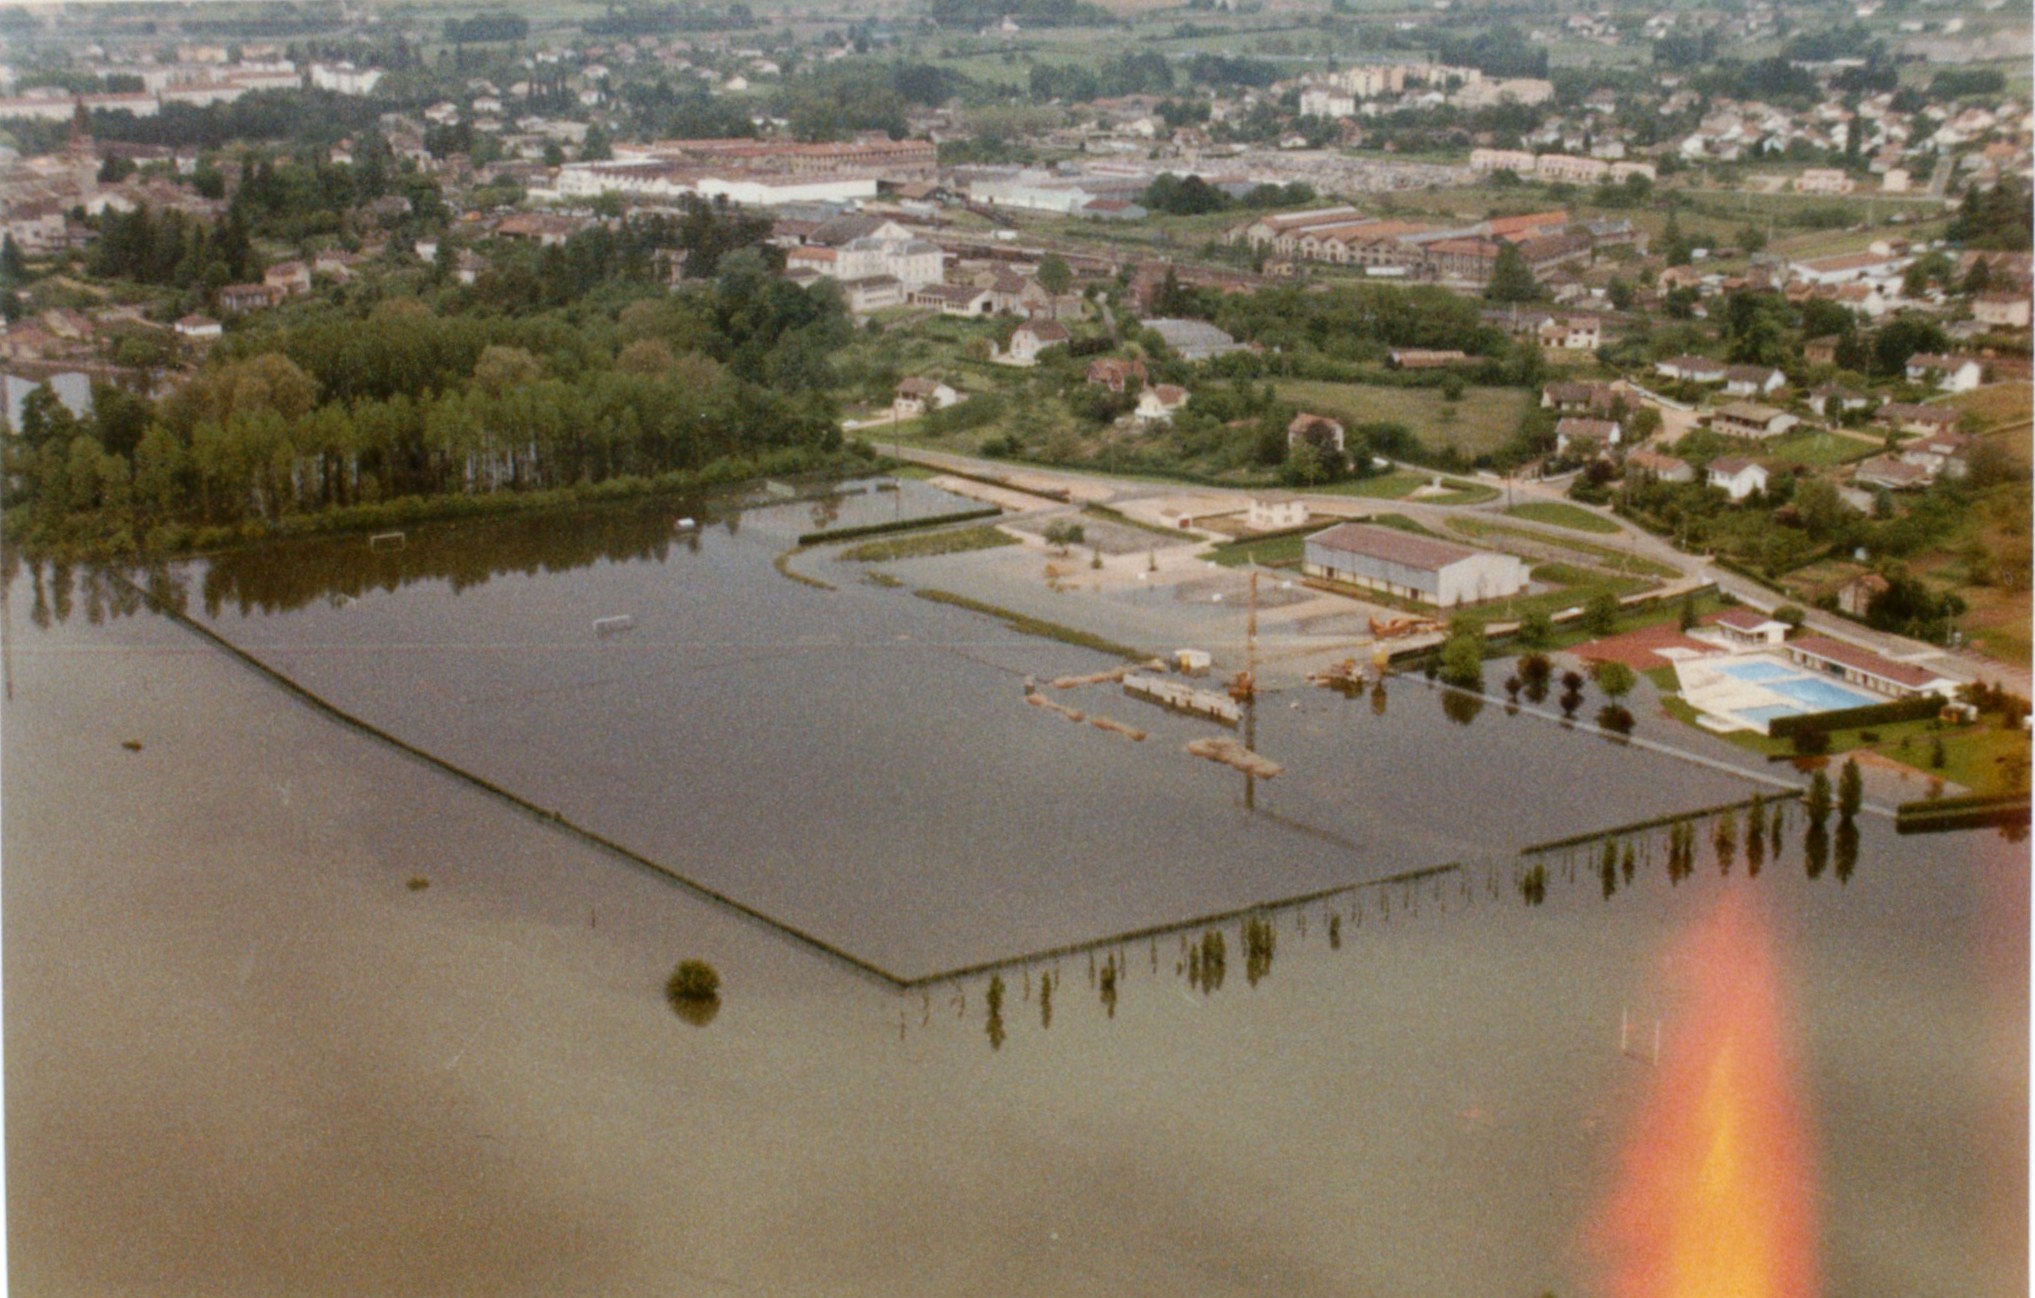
1411 567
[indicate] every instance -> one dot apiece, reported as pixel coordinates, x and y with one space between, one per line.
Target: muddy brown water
243 1055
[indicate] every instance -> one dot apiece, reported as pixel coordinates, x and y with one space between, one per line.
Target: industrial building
1411 567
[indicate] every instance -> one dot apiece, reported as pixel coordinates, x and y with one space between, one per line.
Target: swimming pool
1819 695
1756 672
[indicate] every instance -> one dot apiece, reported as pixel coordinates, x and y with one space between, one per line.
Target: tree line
325 410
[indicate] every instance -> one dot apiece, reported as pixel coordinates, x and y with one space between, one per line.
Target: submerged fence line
544 814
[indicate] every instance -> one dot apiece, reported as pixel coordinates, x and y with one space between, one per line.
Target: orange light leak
1716 1188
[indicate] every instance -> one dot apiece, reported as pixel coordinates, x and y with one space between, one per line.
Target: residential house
1579 398
1847 400
1891 472
1157 404
1411 567
1856 596
1275 511
293 277
251 297
1573 333
1942 453
1946 373
1691 369
1821 351
954 299
2001 310
199 328
1580 438
1906 418
918 395
1737 476
1033 337
1745 419
1753 380
1115 374
1319 431
1666 468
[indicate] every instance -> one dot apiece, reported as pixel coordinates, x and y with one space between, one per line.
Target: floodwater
861 763
245 1055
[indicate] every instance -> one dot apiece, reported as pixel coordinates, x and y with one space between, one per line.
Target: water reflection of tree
1461 706
995 999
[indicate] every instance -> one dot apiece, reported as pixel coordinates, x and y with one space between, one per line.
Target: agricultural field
1481 422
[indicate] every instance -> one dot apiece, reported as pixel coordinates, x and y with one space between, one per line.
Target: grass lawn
953 541
1821 448
1997 404
1557 514
1604 555
1396 485
1402 483
1271 551
1484 420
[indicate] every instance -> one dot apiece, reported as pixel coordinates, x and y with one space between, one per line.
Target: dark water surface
861 763
245 1056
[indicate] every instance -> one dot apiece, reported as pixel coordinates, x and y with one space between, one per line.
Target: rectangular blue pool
1756 673
1820 695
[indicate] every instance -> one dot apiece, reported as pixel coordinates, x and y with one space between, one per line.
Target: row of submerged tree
1760 837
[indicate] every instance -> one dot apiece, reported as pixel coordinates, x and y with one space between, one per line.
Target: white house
1411 567
1743 627
1745 419
1947 373
1033 337
1585 435
1157 403
1691 369
1275 511
1573 333
1323 433
1666 468
1753 380
2001 310
200 328
1737 476
916 396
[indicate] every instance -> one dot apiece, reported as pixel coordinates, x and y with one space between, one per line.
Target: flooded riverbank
860 763
244 1056
249 1056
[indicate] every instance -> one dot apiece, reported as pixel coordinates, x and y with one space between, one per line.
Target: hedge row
1871 714
1966 802
2013 812
898 525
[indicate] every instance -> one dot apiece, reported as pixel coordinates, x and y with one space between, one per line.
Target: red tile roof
1863 660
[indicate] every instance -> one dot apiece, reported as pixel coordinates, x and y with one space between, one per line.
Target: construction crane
1243 687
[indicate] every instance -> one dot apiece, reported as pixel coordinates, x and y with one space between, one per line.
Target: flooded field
247 1055
860 763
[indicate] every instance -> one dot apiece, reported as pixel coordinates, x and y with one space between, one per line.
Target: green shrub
692 982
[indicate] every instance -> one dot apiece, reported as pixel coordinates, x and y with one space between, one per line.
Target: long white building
1411 567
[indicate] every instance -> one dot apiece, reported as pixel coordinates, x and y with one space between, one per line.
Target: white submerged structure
1202 703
